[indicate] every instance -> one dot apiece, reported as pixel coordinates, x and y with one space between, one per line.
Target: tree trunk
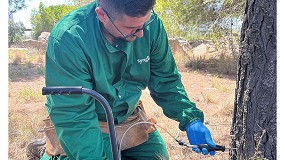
254 117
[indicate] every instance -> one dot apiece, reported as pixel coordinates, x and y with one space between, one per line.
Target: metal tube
110 120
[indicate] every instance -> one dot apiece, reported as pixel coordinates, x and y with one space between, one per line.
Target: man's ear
101 14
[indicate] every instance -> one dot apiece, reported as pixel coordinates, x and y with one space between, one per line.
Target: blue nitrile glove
198 133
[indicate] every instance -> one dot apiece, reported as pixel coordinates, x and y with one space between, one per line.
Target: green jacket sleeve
165 83
74 116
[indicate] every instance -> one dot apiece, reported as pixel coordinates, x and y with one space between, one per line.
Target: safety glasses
131 34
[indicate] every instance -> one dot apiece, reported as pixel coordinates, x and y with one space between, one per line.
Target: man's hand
198 133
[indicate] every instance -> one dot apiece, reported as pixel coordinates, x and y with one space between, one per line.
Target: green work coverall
79 55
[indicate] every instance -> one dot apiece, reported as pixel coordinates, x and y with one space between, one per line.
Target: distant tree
199 19
15 29
15 5
254 117
81 2
15 32
43 19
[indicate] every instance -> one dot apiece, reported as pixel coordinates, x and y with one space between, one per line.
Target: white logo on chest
145 60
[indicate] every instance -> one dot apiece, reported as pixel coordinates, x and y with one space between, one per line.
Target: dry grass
219 63
214 95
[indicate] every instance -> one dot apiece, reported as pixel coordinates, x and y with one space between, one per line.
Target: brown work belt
136 135
53 147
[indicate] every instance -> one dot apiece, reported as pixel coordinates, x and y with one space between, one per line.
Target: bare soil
212 94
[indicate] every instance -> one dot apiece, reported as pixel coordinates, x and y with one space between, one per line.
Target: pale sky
24 15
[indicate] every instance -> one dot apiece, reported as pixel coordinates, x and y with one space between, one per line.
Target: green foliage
79 3
28 94
15 32
15 5
44 19
199 19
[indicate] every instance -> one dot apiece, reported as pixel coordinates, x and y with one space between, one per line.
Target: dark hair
132 8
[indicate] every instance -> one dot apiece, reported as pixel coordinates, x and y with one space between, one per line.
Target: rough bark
254 117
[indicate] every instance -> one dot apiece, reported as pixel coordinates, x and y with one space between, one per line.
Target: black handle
209 148
61 90
201 146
